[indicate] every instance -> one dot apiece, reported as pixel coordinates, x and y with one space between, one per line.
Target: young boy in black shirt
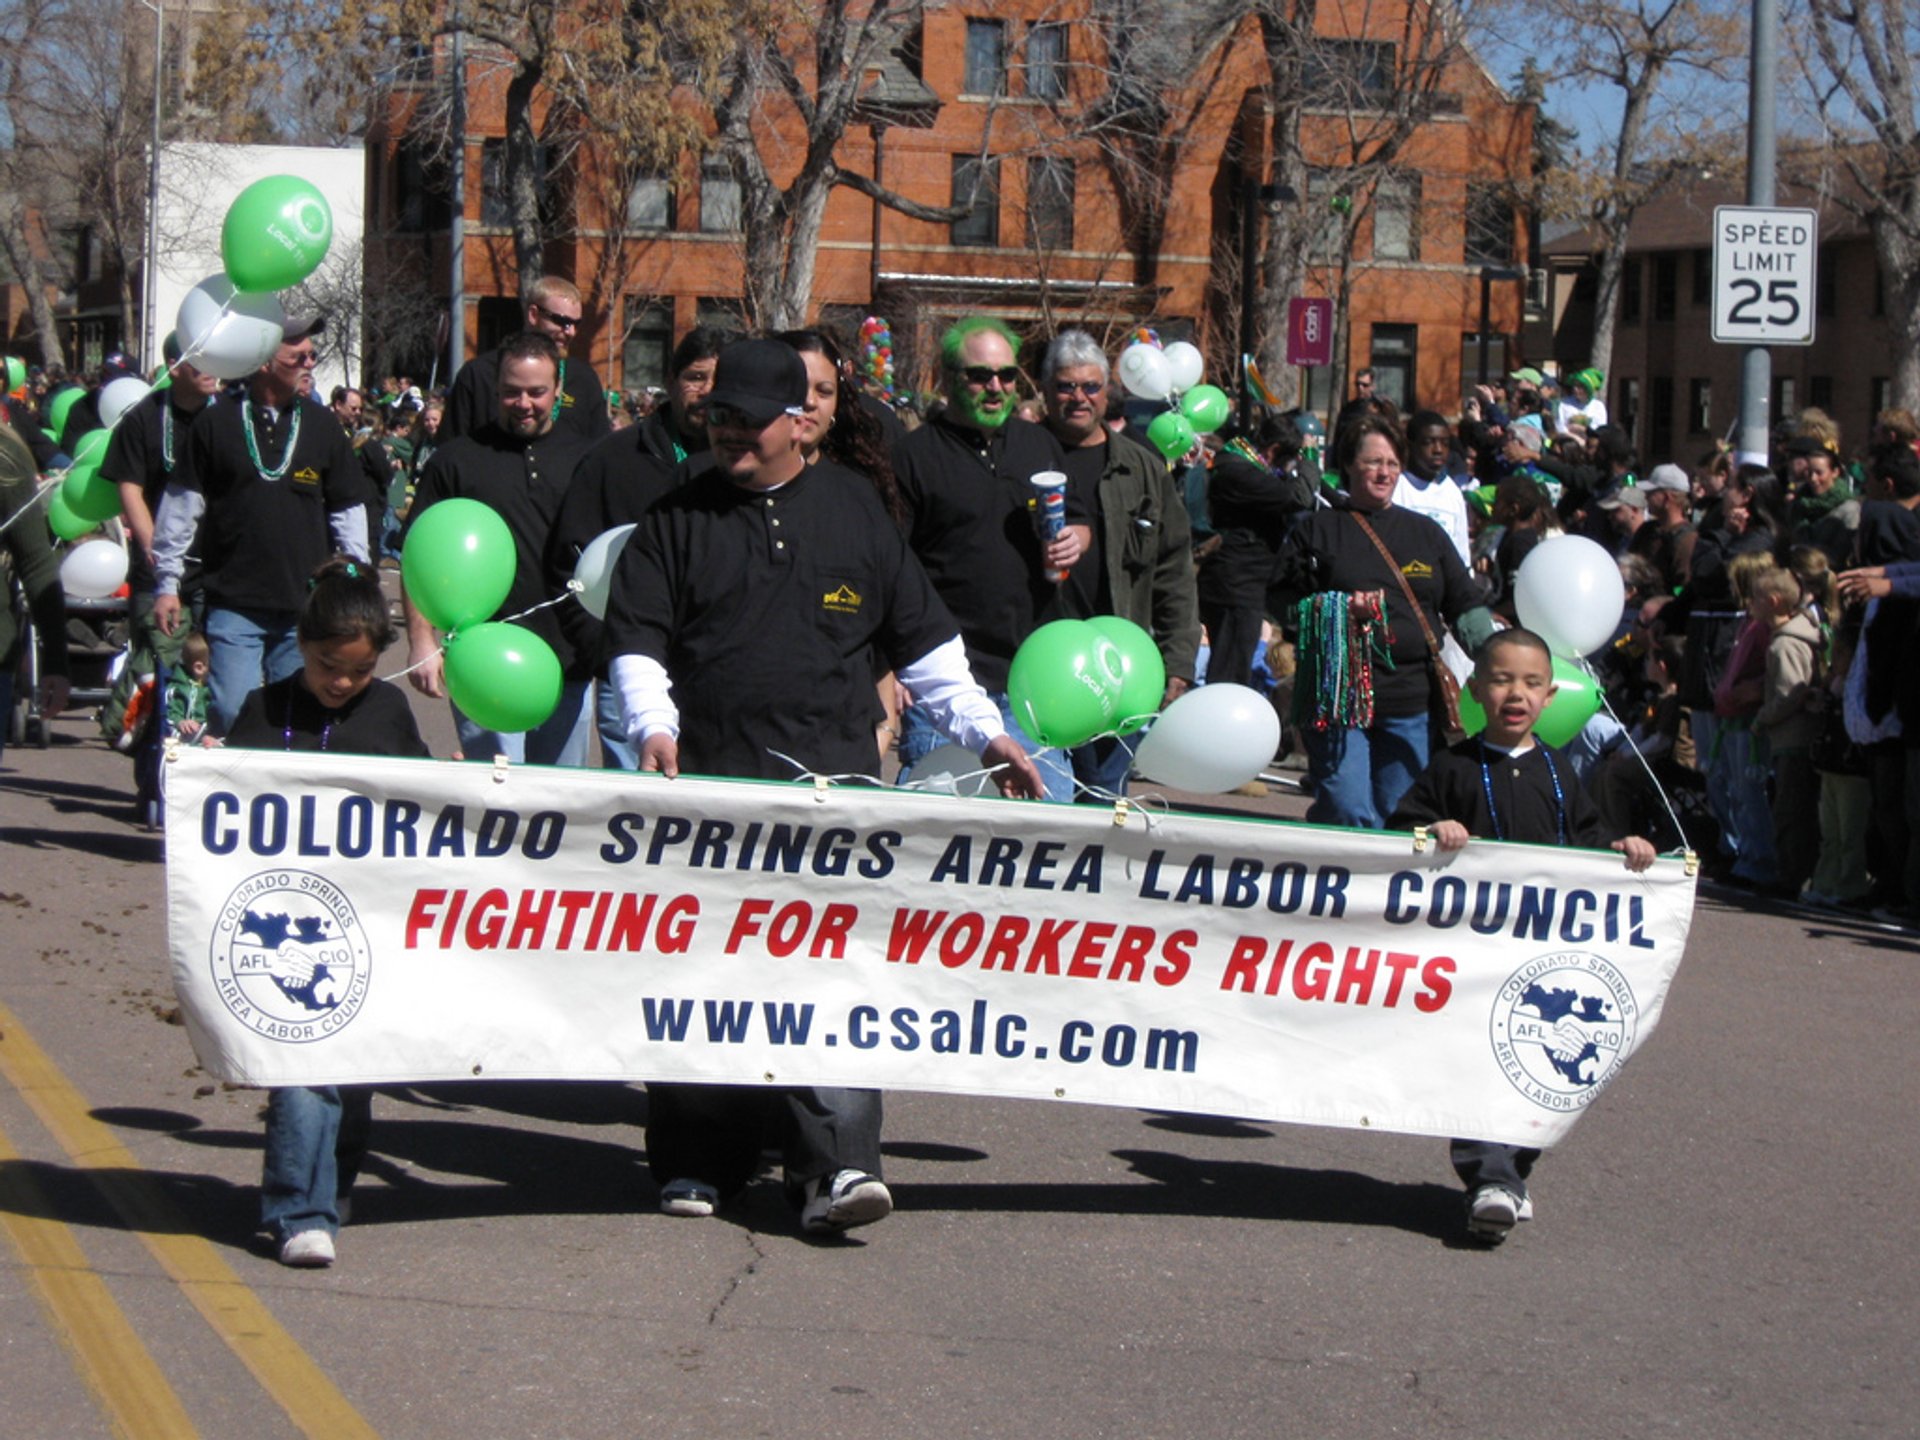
1504 785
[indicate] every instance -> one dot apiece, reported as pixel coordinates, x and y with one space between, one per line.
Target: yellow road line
94 1329
285 1371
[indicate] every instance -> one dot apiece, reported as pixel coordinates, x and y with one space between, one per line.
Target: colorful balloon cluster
458 565
275 235
876 353
1171 374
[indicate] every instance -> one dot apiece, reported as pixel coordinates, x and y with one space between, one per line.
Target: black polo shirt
261 539
523 482
615 483
767 610
146 449
473 402
971 509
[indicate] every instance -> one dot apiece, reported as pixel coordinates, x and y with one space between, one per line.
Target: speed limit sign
1763 274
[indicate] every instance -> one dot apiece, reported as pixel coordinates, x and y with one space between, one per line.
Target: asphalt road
1727 1245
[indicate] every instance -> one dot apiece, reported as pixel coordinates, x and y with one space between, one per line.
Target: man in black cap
552 310
270 487
747 617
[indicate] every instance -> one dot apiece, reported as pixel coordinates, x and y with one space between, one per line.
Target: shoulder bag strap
1433 643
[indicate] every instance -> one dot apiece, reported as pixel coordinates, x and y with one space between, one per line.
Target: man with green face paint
966 477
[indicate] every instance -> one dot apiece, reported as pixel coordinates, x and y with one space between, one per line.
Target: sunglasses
304 359
1008 375
1088 388
725 417
559 322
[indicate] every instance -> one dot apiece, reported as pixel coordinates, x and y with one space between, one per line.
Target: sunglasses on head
981 374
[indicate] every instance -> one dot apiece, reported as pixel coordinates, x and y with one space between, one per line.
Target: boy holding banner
1504 785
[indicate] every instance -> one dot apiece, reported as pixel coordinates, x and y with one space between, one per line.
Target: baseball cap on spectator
761 379
170 348
1668 477
1527 375
299 327
118 365
1632 496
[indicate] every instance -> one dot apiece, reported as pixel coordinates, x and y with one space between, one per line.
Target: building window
1881 389
1785 395
1630 291
1703 277
1627 415
719 198
976 183
1396 217
1699 407
1666 286
1489 224
650 204
648 342
496 206
1395 348
1047 62
1326 231
986 65
420 190
1339 74
496 317
718 313
416 63
1820 392
1660 417
1049 204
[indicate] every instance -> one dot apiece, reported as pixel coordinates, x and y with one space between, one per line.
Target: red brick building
1046 246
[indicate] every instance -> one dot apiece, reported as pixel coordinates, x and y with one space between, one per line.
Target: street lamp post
150 282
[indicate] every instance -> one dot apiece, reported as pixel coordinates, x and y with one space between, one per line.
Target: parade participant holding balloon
745 617
270 488
518 466
967 478
26 545
1140 562
553 310
1367 694
1427 487
317 1136
85 415
1255 494
1502 785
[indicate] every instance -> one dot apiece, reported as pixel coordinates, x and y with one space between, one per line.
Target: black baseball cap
299 327
761 379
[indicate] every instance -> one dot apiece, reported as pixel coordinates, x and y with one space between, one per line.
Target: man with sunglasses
553 309
1139 562
272 488
966 477
746 619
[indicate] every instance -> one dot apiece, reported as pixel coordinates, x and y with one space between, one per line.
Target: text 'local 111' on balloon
276 233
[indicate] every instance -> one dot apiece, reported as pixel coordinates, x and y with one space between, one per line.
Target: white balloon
594 568
121 396
952 770
1143 370
1211 740
1570 594
93 570
226 332
1185 365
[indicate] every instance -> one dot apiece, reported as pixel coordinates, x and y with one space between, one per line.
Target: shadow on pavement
111 845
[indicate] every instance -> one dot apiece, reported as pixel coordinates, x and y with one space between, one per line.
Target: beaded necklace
1338 644
1493 811
1239 446
286 731
253 444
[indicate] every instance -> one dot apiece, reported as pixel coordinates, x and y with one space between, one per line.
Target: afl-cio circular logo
290 957
1562 1024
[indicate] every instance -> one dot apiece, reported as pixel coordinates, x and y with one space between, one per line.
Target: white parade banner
340 919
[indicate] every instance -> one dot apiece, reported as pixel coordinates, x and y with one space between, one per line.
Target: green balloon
1575 700
91 448
503 677
63 522
89 494
1207 407
458 563
1064 684
16 372
276 233
1144 674
1172 434
58 407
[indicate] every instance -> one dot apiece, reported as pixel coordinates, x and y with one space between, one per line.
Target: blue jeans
1102 766
316 1140
560 740
920 737
247 649
1359 776
617 752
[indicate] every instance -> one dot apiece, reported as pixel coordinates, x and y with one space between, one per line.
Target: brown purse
1444 682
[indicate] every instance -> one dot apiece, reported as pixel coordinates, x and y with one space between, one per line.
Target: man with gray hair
1139 560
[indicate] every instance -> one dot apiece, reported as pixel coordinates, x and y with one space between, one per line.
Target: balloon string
1658 788
573 586
45 488
56 477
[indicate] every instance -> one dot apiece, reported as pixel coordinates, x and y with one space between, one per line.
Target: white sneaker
307 1249
693 1199
1493 1211
844 1200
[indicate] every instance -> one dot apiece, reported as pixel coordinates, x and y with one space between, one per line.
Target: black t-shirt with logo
473 400
147 447
262 538
767 609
